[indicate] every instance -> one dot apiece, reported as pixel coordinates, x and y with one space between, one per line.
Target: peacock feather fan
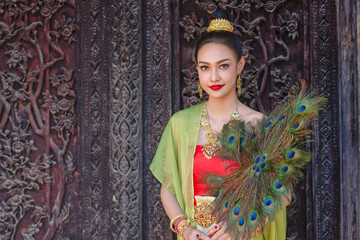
268 157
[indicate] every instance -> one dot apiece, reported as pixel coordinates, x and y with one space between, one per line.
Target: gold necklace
212 146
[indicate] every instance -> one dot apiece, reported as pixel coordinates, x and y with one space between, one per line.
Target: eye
224 66
204 68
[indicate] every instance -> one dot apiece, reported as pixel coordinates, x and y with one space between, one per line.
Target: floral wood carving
38 118
267 33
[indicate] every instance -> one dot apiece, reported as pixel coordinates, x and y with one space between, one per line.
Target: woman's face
218 69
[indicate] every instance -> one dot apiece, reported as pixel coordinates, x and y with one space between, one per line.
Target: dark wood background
87 87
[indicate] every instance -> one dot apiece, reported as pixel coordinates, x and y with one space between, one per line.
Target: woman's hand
219 233
193 234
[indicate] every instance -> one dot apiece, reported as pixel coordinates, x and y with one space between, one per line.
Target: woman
188 146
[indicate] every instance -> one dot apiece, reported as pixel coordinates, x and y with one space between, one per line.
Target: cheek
203 76
229 76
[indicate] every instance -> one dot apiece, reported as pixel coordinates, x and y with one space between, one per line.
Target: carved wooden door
39 168
278 46
87 87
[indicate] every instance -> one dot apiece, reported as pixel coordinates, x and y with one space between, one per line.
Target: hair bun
219 14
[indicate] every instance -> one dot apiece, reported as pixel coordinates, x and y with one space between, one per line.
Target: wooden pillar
348 29
324 186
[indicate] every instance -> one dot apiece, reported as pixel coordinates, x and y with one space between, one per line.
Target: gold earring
238 85
200 90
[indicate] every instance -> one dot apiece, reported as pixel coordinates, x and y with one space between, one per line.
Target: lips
216 87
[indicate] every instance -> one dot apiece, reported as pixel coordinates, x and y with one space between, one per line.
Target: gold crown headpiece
220 25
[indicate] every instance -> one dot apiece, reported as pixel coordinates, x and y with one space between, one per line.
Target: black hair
229 39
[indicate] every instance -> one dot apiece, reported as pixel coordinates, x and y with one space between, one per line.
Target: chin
221 95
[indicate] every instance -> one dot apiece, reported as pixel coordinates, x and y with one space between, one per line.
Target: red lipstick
216 87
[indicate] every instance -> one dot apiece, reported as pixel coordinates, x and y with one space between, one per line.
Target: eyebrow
223 60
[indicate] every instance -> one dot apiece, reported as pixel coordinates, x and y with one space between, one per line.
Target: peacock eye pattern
303 107
253 218
260 164
268 202
231 139
225 206
297 126
236 211
268 205
268 125
291 154
285 170
241 222
282 118
278 187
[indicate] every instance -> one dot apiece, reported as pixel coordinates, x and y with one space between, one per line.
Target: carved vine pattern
125 119
250 29
37 118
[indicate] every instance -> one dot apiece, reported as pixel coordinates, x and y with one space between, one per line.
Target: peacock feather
269 156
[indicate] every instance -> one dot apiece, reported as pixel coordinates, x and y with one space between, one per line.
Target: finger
217 235
213 230
225 237
201 235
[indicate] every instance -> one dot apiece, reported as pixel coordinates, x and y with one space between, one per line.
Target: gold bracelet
173 220
184 226
183 231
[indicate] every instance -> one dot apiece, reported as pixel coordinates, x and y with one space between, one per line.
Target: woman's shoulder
187 112
252 116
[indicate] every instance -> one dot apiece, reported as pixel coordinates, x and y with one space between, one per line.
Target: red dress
203 165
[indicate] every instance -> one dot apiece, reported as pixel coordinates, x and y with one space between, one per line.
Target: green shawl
173 166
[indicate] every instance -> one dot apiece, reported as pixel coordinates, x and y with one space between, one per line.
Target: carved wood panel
112 72
38 165
348 31
126 157
158 100
87 87
94 129
324 220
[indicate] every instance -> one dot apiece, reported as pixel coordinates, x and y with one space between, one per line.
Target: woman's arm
172 208
170 203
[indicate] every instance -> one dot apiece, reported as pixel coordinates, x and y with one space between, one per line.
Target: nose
215 75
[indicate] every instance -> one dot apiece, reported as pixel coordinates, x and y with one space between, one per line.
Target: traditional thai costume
173 165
